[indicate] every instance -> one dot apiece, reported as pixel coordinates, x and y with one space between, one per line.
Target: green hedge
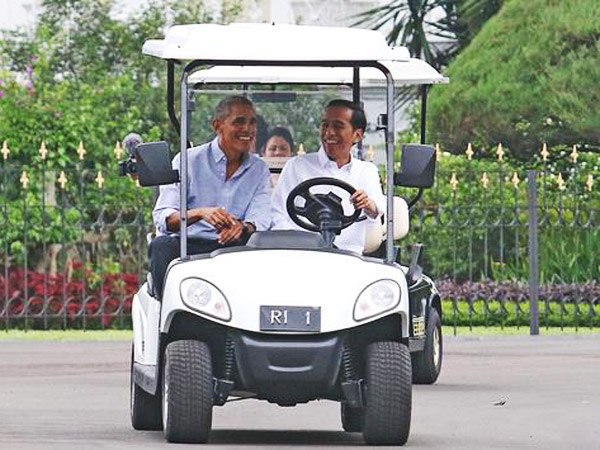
531 75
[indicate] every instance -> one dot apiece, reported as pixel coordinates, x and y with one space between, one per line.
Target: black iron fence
514 246
499 240
73 246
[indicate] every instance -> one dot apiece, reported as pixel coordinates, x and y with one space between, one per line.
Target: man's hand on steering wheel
361 200
322 211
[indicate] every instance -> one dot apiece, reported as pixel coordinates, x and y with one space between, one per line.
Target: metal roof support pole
424 92
389 140
183 165
171 96
356 100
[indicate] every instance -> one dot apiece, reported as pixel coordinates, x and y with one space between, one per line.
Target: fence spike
81 151
100 179
574 155
515 180
43 151
301 151
371 153
469 152
500 152
24 179
561 182
438 152
454 181
545 153
485 180
589 183
62 179
5 150
118 151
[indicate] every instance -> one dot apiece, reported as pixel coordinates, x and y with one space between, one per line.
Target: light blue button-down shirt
246 195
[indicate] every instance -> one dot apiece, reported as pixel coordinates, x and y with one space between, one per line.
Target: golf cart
359 334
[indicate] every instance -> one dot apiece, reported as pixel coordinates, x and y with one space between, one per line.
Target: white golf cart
288 318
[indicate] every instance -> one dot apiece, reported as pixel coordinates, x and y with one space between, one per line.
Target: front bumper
288 369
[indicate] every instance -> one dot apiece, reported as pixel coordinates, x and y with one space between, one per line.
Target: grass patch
449 330
66 335
126 335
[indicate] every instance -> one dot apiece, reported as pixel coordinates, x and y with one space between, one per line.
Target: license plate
290 318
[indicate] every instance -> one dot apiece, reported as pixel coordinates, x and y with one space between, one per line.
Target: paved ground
75 396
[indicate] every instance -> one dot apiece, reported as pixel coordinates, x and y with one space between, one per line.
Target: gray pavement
494 393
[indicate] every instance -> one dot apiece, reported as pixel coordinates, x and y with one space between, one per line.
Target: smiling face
337 134
237 130
277 147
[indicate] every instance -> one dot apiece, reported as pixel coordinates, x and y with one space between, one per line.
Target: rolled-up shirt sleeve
259 209
167 202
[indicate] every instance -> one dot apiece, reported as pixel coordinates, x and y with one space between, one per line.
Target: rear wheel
144 407
427 364
187 392
389 394
352 418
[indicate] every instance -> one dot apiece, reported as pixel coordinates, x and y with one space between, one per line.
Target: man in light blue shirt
228 192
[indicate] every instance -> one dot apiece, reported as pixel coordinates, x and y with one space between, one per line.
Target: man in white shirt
342 126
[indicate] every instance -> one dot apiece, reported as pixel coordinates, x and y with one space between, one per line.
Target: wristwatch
247 228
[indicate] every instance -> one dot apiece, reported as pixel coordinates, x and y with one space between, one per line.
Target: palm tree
434 30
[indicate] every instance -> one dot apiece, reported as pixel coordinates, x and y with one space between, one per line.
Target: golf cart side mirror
154 164
418 166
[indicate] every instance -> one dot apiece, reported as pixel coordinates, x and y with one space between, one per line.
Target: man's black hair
358 119
284 133
225 105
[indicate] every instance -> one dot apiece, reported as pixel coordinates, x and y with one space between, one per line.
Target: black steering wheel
321 212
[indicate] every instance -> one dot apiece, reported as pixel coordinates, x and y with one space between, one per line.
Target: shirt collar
324 159
219 155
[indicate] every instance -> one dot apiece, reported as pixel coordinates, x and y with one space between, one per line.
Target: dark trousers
164 249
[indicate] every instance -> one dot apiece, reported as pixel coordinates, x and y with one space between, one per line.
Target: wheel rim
436 346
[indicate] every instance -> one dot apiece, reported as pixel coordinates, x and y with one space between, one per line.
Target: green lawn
126 335
66 335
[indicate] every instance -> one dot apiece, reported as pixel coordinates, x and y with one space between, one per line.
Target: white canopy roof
412 71
266 42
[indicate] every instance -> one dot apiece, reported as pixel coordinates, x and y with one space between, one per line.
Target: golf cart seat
376 231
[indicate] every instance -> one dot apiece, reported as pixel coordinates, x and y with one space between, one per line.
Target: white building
23 13
308 12
19 13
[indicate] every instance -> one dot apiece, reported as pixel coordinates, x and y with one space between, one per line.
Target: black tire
427 364
145 409
389 394
187 392
352 418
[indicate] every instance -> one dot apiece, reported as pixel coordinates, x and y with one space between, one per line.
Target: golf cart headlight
377 298
205 298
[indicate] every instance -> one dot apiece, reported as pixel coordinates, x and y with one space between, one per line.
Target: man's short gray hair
225 105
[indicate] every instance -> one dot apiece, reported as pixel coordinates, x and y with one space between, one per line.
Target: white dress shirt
359 174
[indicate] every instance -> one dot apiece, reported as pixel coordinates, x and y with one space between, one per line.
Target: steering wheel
321 211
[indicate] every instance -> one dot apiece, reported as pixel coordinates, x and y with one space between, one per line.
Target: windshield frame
388 127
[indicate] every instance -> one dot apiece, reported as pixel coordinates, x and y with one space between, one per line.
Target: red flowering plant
85 298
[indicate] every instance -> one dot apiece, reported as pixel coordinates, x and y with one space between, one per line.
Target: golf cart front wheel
427 364
144 407
187 392
389 394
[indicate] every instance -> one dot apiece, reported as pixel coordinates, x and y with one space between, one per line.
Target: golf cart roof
270 42
412 71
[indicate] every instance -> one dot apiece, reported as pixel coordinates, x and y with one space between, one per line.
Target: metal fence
514 246
73 246
499 241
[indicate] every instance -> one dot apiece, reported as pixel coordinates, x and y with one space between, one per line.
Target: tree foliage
530 76
80 76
